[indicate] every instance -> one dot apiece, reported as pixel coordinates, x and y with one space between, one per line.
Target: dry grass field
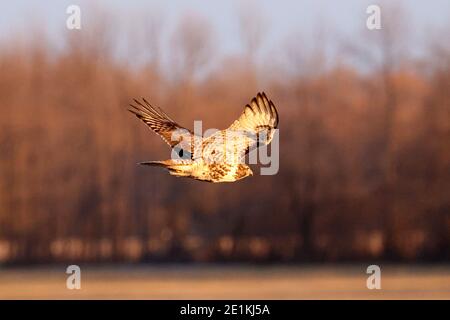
227 282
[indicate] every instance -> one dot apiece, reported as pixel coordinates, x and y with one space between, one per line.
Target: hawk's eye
181 154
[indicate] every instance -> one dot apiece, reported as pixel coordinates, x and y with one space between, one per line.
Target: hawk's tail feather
175 168
154 163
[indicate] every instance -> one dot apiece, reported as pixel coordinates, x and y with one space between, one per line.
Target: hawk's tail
175 168
154 163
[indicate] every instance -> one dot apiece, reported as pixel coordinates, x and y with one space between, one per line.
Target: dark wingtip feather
146 102
133 111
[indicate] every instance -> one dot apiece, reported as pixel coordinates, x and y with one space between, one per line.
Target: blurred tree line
364 151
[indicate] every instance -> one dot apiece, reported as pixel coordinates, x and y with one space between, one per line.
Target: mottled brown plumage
219 157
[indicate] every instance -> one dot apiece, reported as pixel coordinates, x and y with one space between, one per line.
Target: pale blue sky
283 17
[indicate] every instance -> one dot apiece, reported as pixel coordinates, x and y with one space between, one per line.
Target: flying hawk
219 157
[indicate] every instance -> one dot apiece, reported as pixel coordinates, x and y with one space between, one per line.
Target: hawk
219 157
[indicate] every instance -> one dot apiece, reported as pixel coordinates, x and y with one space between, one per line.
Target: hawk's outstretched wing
170 131
254 127
259 114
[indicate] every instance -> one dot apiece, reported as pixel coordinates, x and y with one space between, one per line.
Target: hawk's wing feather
258 120
260 113
170 131
232 144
